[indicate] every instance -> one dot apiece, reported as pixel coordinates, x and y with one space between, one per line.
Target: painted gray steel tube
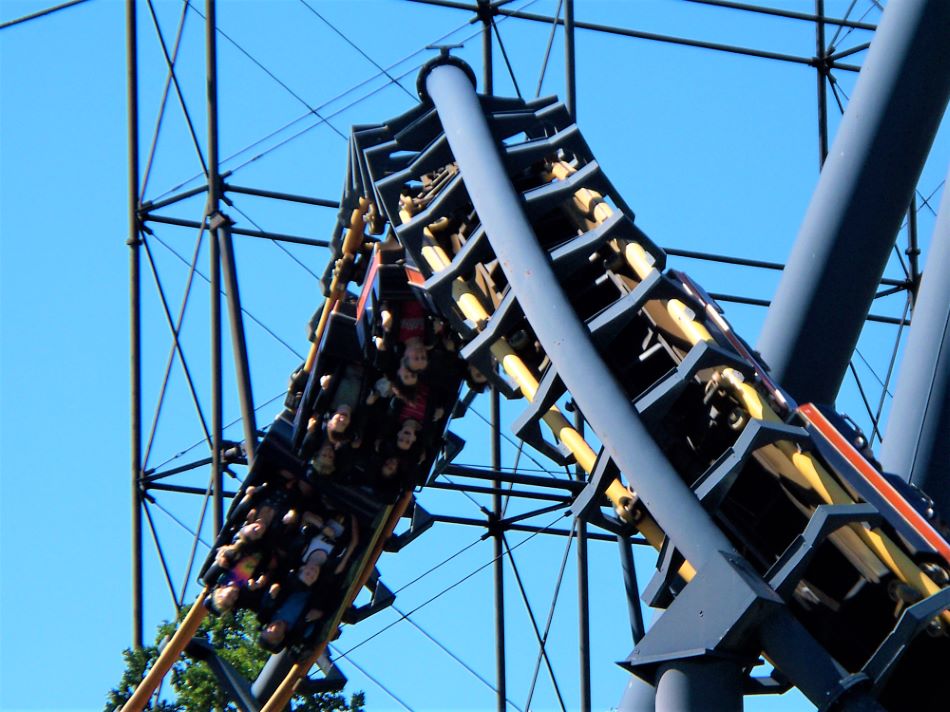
917 444
566 340
864 189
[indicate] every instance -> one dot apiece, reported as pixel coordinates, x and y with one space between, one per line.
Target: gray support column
689 685
917 445
499 555
214 196
570 78
501 665
638 696
135 325
488 72
864 188
565 338
271 675
629 571
583 592
821 66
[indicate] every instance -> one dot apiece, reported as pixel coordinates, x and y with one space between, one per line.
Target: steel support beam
570 78
488 69
186 489
40 13
744 262
821 65
785 13
172 199
501 683
135 324
212 212
231 681
276 236
499 553
639 695
573 486
531 529
276 195
856 211
500 491
152 475
637 34
913 250
633 590
222 229
583 592
917 445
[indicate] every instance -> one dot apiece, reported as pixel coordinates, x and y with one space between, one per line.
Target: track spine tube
564 337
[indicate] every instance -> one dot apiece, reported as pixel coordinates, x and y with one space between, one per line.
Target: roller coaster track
777 533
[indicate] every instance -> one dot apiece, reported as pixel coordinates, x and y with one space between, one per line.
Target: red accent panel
848 451
415 276
368 284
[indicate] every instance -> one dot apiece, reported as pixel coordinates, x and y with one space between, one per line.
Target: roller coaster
480 242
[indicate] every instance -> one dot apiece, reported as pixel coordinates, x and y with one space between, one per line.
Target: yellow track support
471 306
673 316
169 655
355 235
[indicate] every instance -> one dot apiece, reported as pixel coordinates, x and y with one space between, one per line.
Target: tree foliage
195 686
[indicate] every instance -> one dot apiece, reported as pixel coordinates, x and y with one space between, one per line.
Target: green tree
196 688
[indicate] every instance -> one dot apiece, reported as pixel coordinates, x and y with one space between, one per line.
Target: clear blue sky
713 151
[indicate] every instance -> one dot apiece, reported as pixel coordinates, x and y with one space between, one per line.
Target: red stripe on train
848 451
367 284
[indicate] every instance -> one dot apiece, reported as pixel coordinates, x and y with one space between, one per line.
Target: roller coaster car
389 290
274 458
338 347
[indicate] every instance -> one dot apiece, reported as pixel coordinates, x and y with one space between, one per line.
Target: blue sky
713 151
